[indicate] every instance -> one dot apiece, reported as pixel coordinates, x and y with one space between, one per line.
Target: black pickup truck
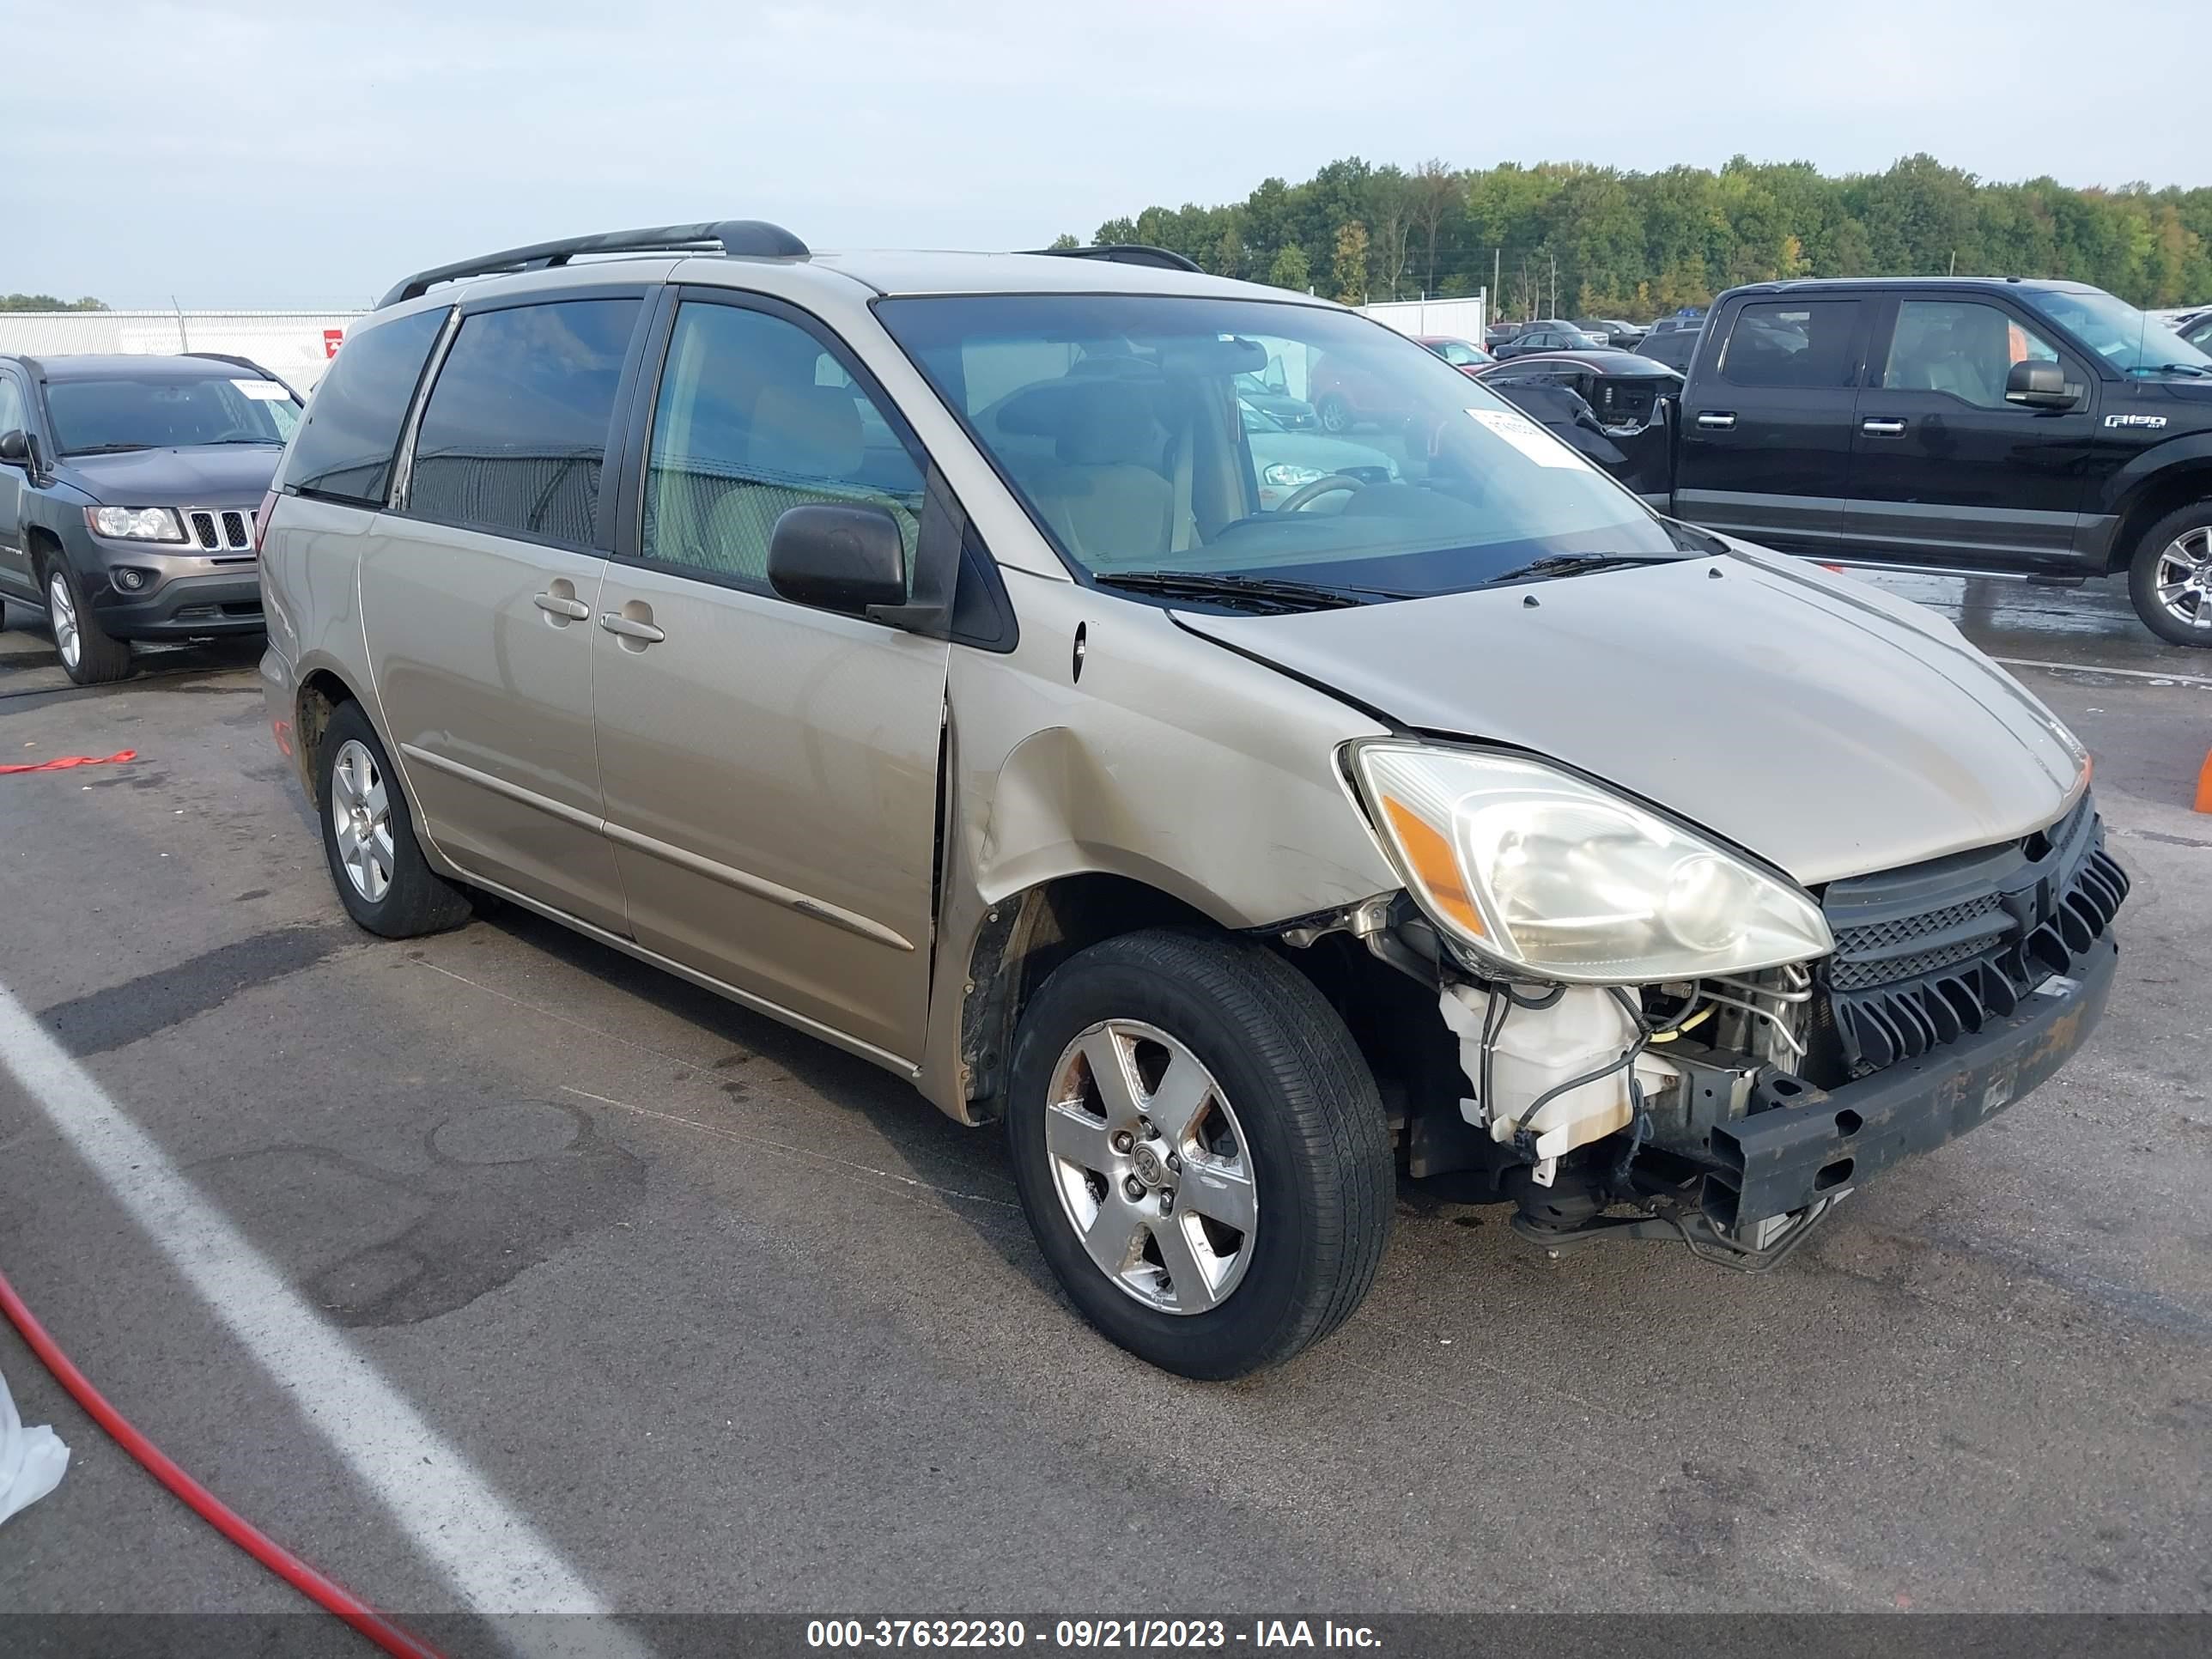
1997 426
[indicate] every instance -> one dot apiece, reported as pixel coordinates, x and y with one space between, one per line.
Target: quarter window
1961 346
344 445
1794 343
755 416
515 433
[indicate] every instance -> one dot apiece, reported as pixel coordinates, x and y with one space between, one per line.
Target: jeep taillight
261 520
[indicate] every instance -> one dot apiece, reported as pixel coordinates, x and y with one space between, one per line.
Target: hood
228 475
2195 389
1829 728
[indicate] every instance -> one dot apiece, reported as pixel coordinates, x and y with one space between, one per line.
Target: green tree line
1608 242
47 302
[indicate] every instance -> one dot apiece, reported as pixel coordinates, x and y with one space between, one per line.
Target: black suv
128 489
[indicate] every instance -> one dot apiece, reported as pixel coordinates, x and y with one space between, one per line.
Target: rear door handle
629 628
559 605
1883 427
1717 422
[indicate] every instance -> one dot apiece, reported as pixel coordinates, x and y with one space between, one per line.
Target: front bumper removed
1800 1144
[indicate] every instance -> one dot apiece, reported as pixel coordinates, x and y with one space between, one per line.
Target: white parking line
495 1560
2092 668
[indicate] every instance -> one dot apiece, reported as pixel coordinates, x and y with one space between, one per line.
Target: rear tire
2170 577
1335 414
368 836
89 654
1286 1135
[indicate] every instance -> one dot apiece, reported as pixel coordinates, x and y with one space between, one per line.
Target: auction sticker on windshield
265 392
1525 436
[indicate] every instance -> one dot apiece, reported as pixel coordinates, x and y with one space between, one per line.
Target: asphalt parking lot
725 1320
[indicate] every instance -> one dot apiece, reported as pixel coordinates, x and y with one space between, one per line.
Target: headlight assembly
1286 473
1554 878
136 524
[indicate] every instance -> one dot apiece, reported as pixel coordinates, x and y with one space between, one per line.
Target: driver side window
11 404
755 416
1961 346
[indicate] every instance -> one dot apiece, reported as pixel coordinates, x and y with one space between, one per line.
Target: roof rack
1127 254
754 239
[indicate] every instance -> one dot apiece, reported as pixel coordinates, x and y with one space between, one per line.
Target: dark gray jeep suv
128 489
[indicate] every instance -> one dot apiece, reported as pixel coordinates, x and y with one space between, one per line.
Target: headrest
1098 422
807 432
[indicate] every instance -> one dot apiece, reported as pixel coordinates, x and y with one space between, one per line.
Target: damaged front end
1731 1110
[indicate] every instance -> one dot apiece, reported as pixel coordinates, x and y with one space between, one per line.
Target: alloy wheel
61 611
1152 1169
361 816
2182 579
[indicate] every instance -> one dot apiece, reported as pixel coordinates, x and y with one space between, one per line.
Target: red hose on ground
324 1592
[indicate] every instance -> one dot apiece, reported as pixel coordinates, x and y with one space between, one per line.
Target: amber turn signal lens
1435 866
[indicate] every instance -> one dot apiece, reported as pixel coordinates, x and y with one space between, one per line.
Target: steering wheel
1297 499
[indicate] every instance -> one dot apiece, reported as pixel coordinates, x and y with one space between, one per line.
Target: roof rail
1127 254
754 239
236 362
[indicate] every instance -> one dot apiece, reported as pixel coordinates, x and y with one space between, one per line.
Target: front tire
90 655
2170 577
368 837
1335 414
1200 1150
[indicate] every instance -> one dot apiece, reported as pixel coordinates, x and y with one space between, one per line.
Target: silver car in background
906 646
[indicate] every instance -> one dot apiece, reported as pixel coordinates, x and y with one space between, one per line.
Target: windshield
1115 419
2125 337
93 418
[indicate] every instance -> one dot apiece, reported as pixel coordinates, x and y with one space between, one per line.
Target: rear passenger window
344 447
755 416
1794 343
515 433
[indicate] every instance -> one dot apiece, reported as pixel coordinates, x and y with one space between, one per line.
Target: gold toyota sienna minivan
899 645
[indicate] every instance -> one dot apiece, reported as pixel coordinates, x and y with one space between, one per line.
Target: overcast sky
292 153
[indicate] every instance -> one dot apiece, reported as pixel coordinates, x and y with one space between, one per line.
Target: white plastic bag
32 1460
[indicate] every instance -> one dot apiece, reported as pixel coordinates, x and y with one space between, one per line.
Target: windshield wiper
219 442
1230 588
104 449
1578 564
2196 369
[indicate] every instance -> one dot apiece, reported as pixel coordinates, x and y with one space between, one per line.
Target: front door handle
630 628
1883 427
1714 422
560 604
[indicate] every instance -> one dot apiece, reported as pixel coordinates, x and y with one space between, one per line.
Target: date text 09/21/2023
1126 1634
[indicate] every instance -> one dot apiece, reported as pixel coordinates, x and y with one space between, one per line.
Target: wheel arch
43 543
321 692
2176 484
1022 937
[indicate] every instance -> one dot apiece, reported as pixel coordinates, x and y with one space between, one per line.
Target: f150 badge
2151 421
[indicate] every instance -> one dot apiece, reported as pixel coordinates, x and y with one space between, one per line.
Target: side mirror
2036 385
15 447
837 558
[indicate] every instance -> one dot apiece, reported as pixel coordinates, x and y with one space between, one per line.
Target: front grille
221 530
1877 954
1926 954
1374 475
